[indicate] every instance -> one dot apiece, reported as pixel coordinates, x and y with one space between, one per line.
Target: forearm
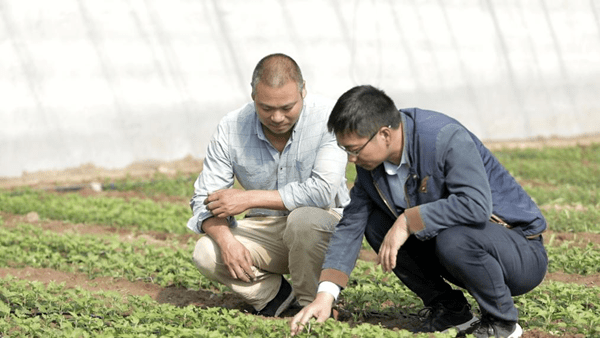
265 199
217 229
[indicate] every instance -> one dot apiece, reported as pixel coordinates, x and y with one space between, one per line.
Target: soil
82 178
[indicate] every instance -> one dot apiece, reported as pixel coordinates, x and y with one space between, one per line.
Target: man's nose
352 158
277 117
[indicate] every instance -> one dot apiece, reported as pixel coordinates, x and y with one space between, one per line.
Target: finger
232 273
216 210
323 316
248 266
250 274
296 324
381 258
298 327
210 198
242 275
220 214
390 260
393 257
302 318
386 261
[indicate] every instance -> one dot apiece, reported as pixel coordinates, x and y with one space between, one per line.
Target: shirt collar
392 169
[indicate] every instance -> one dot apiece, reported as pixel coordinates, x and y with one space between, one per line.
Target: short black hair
363 110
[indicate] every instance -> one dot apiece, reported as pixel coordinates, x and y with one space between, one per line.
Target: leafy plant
142 214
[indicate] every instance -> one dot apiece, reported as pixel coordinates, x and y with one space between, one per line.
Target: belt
498 220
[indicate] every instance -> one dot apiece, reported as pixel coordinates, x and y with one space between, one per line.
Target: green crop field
133 235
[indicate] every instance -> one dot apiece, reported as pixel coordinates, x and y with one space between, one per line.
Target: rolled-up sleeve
217 173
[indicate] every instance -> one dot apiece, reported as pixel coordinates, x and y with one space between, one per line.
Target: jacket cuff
334 276
414 222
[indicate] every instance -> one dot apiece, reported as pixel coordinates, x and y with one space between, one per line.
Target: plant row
550 175
34 310
145 214
101 256
138 213
553 307
370 291
29 245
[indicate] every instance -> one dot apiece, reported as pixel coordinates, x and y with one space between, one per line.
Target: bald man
294 189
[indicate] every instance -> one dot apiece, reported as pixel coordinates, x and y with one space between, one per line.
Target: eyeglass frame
356 152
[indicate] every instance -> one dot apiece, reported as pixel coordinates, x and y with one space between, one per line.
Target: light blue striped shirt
310 171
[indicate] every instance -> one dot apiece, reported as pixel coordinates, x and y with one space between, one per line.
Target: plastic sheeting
117 81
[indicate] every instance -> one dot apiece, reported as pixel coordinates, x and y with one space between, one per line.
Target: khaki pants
293 244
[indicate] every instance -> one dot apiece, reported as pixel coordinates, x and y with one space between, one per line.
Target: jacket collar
379 174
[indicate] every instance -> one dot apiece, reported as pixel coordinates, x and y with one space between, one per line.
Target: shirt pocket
305 165
254 175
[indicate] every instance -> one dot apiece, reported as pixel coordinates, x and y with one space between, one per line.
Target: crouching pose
293 174
438 208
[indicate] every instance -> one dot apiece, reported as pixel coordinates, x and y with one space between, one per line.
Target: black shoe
440 318
496 328
280 303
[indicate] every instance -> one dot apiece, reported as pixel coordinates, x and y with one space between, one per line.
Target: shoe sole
285 304
517 333
464 326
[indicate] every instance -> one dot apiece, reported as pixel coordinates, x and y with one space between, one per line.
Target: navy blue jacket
453 180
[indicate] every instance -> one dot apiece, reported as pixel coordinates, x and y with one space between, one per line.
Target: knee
453 243
311 219
308 224
378 225
205 254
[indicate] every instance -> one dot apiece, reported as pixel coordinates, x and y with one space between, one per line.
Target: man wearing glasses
293 174
438 208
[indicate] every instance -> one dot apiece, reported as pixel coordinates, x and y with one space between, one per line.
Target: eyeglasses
357 151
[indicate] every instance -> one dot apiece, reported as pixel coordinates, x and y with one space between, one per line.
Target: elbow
323 197
474 211
327 195
482 211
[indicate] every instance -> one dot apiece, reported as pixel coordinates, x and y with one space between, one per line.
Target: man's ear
303 89
387 134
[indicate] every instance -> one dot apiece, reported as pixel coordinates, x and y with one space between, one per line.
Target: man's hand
393 240
238 260
320 308
226 202
233 253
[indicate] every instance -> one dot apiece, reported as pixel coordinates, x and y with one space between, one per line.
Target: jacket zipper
384 199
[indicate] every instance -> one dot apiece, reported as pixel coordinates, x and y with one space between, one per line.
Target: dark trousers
491 262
